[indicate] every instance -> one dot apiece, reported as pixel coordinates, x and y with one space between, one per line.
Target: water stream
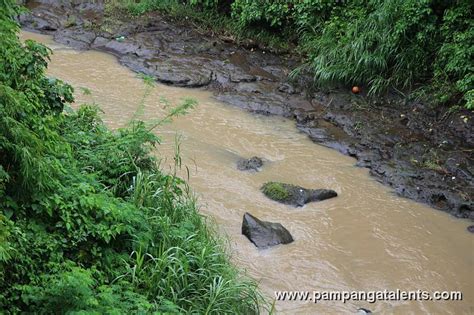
365 239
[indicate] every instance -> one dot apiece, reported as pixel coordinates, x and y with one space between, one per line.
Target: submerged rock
264 234
295 195
253 164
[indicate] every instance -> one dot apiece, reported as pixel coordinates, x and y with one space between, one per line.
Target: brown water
365 239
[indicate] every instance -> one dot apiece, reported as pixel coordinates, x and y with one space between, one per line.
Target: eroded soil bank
424 153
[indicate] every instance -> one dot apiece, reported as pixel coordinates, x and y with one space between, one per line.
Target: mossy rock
276 191
295 195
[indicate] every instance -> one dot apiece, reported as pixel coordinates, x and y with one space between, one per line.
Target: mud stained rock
76 38
264 234
295 195
254 164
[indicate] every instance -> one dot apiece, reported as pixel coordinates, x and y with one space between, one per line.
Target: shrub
453 62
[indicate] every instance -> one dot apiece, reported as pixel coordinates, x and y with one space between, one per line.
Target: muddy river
366 239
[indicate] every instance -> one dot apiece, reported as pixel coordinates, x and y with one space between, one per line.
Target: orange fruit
355 89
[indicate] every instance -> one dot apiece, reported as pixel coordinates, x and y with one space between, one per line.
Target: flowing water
365 239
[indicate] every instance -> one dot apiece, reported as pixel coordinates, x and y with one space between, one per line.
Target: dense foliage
380 44
88 223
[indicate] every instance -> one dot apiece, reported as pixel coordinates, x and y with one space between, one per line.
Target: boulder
295 195
470 228
253 164
181 72
264 234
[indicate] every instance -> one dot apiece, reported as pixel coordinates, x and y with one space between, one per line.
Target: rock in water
470 228
295 195
264 234
319 194
253 164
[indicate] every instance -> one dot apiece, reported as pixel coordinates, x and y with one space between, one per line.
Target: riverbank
423 153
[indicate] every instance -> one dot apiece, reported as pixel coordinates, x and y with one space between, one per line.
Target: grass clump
88 222
276 191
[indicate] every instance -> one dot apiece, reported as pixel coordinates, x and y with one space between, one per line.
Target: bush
249 13
453 62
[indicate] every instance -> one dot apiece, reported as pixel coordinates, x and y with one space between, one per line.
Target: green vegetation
422 46
88 222
276 191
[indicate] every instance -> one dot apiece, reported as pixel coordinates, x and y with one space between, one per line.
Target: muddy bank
425 154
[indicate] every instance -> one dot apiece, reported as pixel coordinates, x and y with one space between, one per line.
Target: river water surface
365 239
